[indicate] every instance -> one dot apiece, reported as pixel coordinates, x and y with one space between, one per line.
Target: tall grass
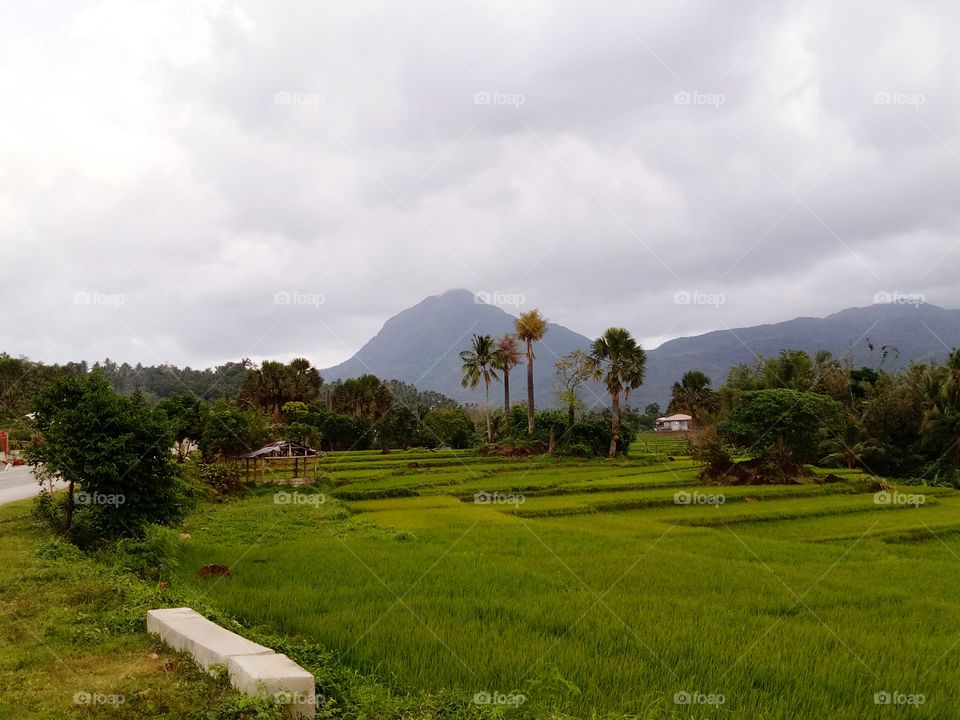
791 602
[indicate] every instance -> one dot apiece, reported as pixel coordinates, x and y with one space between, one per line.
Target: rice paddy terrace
623 587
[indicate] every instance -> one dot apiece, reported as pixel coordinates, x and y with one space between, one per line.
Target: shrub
153 556
710 452
222 476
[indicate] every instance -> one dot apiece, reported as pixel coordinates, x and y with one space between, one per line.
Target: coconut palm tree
531 326
507 357
693 395
849 444
620 363
478 364
941 418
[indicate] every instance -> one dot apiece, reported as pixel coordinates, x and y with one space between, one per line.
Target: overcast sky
194 181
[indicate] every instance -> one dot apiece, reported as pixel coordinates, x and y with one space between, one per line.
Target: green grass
72 629
594 594
791 601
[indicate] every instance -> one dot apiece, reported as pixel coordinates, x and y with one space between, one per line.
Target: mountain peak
422 344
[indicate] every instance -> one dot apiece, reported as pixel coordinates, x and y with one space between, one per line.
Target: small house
674 423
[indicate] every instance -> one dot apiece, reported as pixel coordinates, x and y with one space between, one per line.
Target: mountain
421 345
911 332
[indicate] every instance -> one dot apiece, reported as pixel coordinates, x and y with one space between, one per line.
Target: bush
153 556
112 450
222 476
710 452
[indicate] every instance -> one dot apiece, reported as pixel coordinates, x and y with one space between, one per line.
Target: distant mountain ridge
421 345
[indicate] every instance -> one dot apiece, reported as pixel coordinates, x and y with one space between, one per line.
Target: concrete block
275 676
186 630
253 668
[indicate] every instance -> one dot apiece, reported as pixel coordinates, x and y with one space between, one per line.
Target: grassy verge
75 644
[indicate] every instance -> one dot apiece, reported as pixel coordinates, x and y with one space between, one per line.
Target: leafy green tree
620 363
186 415
782 423
113 449
531 326
452 426
694 396
792 369
478 365
572 370
231 431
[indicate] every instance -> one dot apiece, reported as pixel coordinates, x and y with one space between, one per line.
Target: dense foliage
113 451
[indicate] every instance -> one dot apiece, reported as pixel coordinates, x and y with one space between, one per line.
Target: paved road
18 483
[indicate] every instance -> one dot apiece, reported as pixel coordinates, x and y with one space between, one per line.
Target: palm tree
694 395
531 326
849 446
305 380
941 418
507 356
478 364
620 363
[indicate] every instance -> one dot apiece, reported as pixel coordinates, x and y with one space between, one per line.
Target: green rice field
601 588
